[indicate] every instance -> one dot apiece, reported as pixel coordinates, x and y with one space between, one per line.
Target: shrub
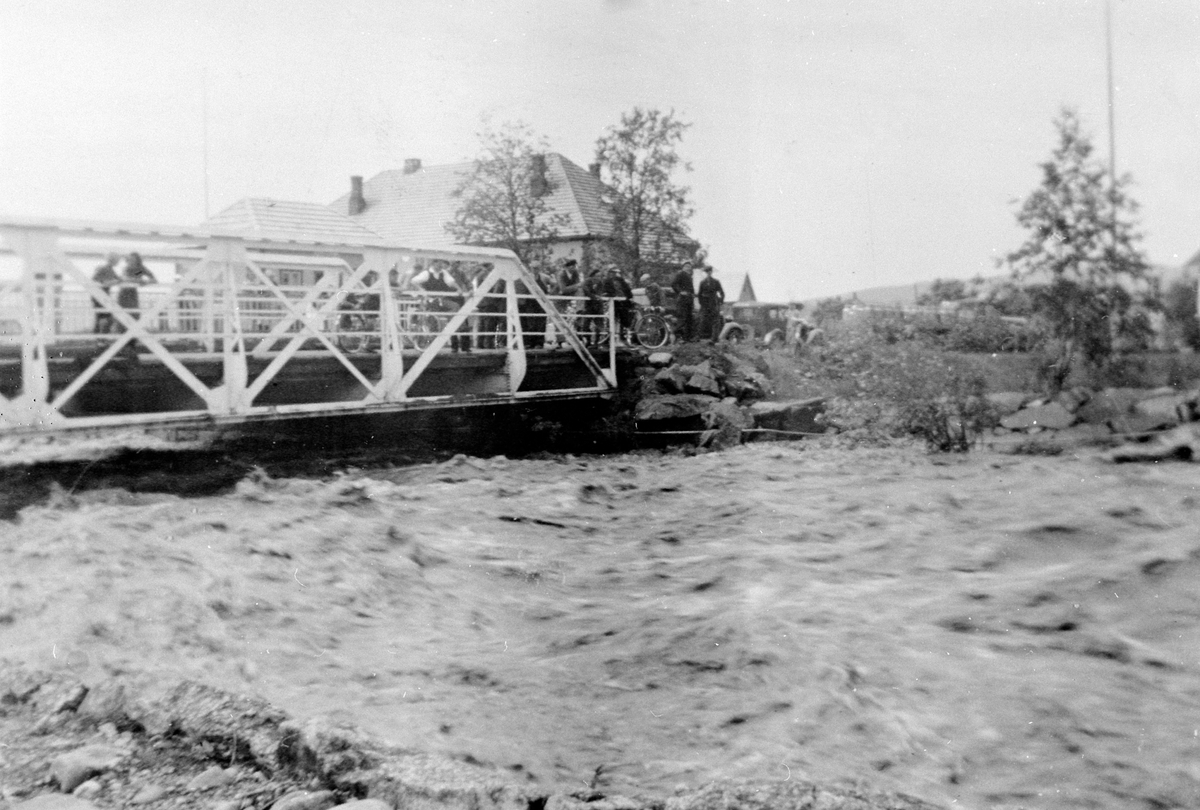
884 391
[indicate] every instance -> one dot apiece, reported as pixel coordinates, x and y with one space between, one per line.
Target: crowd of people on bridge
573 292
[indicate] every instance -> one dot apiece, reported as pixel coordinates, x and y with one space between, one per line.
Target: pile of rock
1079 416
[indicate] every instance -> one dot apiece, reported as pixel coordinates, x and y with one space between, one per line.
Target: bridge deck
238 329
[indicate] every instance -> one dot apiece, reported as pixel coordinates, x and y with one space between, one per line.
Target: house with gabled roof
414 205
286 220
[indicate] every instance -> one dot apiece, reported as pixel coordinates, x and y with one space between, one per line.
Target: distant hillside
907 294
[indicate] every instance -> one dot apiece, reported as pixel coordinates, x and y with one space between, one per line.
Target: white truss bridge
238 329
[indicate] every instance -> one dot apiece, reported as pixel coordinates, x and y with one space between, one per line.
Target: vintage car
765 324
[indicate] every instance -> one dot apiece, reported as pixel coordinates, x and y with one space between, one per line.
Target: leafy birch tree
1081 264
638 162
505 199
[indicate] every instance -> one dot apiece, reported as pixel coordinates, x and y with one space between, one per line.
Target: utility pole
204 132
1112 127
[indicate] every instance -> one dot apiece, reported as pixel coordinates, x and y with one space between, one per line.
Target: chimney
539 186
357 203
594 169
412 165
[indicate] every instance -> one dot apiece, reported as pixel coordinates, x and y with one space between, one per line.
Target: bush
884 391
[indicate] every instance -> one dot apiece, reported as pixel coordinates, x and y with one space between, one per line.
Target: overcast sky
835 145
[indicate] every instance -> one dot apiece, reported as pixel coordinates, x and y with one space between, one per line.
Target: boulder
660 359
1074 399
700 384
1109 403
212 777
672 406
751 386
72 769
306 800
1167 407
799 416
671 380
1006 402
1051 416
1139 423
725 422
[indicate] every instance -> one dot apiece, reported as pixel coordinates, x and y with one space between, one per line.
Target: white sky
836 145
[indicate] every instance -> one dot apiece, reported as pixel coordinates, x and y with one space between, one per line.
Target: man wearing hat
685 303
711 296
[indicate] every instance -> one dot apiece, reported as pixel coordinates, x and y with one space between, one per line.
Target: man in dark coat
616 287
711 296
685 303
105 277
593 307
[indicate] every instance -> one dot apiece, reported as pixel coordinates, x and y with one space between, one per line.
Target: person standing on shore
711 296
685 303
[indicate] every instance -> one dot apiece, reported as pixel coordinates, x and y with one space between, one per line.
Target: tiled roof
260 217
414 208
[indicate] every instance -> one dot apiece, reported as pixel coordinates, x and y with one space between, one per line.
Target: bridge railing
254 305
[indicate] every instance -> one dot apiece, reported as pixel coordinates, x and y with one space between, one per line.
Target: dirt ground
977 631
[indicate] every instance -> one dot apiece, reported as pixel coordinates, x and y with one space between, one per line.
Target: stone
1106 404
700 384
797 416
1006 402
71 769
660 358
212 777
1051 416
1073 399
54 801
148 793
87 791
1139 423
1168 408
725 422
306 800
671 406
365 804
671 380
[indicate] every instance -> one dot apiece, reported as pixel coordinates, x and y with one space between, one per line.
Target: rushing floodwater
985 629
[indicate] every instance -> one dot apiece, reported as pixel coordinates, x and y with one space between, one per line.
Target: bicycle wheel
425 329
652 330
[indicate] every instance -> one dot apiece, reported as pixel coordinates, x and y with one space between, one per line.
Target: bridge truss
234 324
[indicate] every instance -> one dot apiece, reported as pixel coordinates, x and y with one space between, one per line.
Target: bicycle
651 328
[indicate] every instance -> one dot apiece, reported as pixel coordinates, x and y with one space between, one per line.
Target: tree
637 161
1081 264
1179 307
952 289
505 198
